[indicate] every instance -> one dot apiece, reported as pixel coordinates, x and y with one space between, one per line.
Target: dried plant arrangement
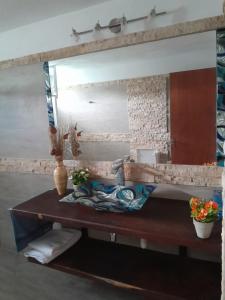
73 138
58 138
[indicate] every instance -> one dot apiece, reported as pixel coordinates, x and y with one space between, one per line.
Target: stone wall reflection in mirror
121 97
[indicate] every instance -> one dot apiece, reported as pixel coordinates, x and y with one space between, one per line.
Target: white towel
52 244
53 240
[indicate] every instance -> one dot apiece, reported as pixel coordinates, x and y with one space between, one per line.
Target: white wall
23 113
55 32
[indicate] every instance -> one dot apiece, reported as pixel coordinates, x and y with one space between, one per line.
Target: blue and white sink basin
114 198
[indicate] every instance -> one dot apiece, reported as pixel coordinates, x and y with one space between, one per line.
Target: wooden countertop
163 221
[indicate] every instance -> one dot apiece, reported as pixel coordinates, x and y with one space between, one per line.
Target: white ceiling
16 13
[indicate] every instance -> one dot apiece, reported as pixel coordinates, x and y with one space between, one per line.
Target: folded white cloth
53 240
52 244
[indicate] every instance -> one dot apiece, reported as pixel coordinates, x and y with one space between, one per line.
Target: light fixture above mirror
117 25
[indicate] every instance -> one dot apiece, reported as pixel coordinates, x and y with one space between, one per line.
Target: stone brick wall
147 113
161 173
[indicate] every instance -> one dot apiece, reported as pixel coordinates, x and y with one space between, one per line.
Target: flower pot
60 178
78 191
203 230
76 187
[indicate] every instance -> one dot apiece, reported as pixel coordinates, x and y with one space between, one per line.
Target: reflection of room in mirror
117 112
123 97
95 107
100 110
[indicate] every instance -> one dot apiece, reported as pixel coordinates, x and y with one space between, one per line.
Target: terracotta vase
203 230
60 178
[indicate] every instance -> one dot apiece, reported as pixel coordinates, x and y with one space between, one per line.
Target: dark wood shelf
156 275
162 221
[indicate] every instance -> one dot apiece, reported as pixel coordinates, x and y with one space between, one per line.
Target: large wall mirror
155 101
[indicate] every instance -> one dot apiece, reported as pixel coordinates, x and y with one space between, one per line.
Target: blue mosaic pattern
48 93
111 198
220 96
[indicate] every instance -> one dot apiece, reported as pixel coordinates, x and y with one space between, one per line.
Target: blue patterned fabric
113 198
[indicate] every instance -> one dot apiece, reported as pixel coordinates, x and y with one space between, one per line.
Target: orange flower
215 205
202 215
199 217
204 212
211 204
194 202
208 205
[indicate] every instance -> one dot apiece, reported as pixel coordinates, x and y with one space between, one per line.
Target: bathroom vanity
156 275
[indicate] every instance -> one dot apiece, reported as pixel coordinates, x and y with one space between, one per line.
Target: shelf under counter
158 276
162 221
154 274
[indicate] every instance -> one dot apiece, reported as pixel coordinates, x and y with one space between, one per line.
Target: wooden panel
193 116
157 275
163 221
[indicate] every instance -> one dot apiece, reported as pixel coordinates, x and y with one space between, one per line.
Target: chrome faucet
118 169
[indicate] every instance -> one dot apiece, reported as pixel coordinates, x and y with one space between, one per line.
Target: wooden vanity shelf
156 275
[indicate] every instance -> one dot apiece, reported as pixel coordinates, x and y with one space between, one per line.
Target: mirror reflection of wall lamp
117 25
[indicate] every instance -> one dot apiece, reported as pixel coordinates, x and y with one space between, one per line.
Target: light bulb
123 23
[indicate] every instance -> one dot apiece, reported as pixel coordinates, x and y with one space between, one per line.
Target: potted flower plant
79 177
204 214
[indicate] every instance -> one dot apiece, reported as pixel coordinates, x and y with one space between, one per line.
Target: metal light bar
116 24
